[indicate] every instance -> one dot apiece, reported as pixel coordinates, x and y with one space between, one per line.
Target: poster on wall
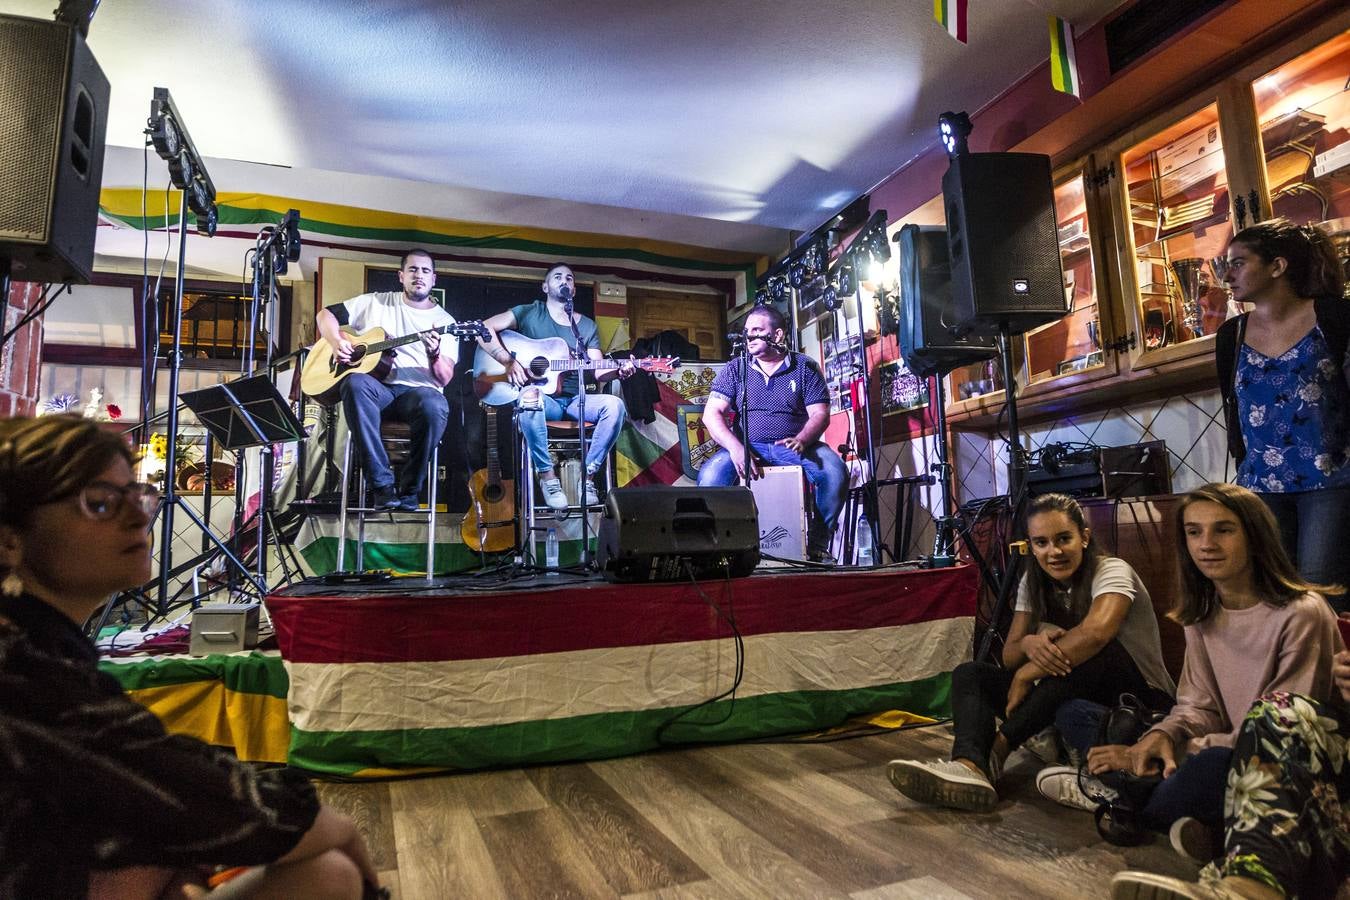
901 389
843 366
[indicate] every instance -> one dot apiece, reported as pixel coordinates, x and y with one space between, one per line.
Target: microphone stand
744 414
583 443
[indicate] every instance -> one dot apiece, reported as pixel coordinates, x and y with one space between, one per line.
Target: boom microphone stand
583 442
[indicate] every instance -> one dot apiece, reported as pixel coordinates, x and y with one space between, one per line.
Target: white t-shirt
387 310
1139 632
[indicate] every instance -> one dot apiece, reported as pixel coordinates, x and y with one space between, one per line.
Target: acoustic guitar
545 360
372 353
490 523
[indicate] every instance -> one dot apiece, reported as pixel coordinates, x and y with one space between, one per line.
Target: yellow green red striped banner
349 227
951 15
1063 63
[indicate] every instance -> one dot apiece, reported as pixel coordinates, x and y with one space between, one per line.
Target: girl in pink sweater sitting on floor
1253 626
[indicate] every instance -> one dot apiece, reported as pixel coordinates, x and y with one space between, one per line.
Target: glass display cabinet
1178 219
1303 108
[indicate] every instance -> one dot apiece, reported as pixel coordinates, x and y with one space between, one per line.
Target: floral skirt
1287 807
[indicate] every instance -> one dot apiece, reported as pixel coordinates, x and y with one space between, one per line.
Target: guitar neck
573 365
391 343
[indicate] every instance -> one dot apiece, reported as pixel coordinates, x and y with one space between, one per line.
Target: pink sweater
1235 656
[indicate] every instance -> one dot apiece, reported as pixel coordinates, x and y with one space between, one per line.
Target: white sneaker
592 496
1060 784
1192 839
1044 745
553 493
942 782
1148 886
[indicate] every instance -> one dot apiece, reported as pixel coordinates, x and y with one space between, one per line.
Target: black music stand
249 412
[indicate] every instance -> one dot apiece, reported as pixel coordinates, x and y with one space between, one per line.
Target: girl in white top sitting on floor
1083 627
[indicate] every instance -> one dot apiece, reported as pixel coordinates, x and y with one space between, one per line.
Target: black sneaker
385 498
408 503
822 557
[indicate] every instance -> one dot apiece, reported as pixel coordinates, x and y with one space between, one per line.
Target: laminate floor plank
368 805
740 861
630 852
441 852
778 819
537 854
499 792
925 888
849 865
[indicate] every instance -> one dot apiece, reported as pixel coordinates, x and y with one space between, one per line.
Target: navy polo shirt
778 402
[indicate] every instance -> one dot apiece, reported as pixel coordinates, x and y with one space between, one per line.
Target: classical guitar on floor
372 353
490 523
545 360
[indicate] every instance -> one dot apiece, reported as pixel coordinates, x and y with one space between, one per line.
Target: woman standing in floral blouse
1282 372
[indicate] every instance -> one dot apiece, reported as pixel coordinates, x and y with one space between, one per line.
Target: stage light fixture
164 135
182 171
206 222
172 142
955 128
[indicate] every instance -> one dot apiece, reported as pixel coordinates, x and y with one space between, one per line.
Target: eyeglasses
101 500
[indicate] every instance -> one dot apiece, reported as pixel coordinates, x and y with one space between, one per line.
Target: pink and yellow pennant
951 14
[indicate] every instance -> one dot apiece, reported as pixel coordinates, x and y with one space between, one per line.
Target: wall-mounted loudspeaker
675 533
927 343
53 117
1005 261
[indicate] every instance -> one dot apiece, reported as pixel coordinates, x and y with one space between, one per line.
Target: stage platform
480 672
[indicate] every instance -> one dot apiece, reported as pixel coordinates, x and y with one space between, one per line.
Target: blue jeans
1315 532
604 410
823 468
365 400
1195 789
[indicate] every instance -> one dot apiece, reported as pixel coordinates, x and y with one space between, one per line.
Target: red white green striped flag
951 14
1063 64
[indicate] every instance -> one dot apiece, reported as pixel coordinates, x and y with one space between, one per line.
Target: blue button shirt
1295 415
777 402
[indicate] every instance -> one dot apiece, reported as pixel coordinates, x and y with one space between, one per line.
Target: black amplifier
1135 470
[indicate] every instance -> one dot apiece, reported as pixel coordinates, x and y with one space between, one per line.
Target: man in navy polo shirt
789 407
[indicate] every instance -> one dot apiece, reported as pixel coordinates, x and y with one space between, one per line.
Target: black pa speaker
927 343
1004 248
668 533
53 117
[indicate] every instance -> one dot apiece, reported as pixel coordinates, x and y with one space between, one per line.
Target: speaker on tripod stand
1007 279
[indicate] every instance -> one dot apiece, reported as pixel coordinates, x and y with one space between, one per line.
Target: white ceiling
768 113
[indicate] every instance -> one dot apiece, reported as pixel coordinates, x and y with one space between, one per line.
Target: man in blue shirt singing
789 407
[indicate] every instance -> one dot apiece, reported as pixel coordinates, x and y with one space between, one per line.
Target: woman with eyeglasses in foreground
99 801
1255 632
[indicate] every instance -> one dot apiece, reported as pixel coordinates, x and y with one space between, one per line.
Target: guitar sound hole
539 366
357 353
493 492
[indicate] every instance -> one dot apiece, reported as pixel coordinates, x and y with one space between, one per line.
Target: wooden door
701 318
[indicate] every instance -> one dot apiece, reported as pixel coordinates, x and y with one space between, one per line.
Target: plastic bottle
864 542
551 551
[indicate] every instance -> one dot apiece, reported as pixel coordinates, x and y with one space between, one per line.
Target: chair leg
342 507
432 472
525 478
361 501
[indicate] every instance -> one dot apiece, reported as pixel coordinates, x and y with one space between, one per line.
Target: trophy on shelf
1188 281
1219 266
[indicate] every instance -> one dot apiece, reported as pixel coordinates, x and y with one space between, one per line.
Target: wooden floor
743 820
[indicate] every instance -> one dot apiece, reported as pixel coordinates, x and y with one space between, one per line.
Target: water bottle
864 542
551 551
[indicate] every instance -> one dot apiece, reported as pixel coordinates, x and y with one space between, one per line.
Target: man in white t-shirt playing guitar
412 392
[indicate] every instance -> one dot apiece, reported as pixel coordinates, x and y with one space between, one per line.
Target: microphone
565 292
